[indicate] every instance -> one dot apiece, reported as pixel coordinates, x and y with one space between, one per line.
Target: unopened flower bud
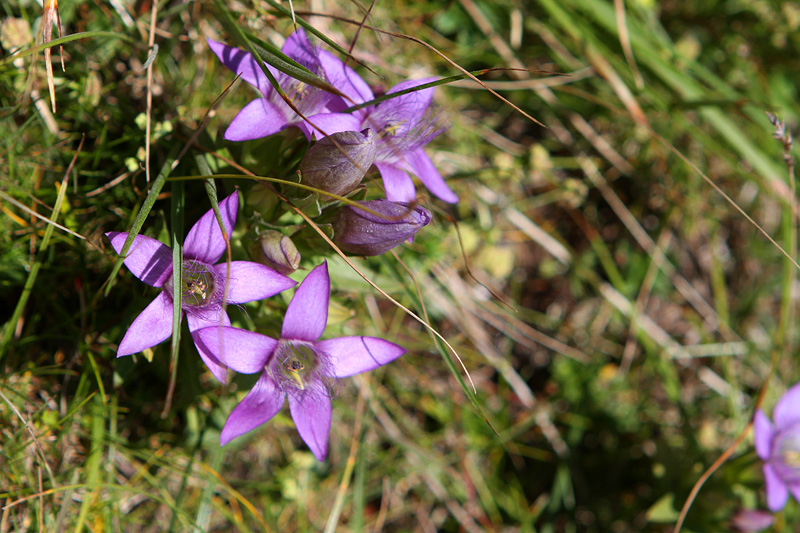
277 251
339 169
364 233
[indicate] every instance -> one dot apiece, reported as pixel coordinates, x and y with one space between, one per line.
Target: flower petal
763 432
353 355
260 118
241 62
307 314
787 410
407 109
298 48
777 492
148 259
311 412
151 327
252 281
420 164
204 241
259 406
206 318
794 488
328 124
196 323
345 79
243 351
399 186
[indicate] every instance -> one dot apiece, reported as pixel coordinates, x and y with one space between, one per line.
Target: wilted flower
270 114
297 365
339 169
275 250
360 232
403 126
779 447
205 286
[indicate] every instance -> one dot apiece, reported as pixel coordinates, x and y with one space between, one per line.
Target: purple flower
360 232
297 365
779 447
403 126
270 114
204 284
751 520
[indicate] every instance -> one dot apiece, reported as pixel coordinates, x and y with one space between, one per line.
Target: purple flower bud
752 520
363 233
326 166
277 251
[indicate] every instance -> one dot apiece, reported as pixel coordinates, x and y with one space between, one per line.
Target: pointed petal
260 118
311 412
148 259
406 110
399 186
301 50
794 488
329 123
210 319
352 355
420 164
151 327
763 431
252 281
241 62
259 406
307 314
244 351
345 79
204 241
787 410
206 318
777 492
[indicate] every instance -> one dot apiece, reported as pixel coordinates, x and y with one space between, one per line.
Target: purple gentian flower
403 126
779 447
270 114
297 365
204 283
360 232
752 520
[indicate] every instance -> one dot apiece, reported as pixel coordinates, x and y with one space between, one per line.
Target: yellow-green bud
275 250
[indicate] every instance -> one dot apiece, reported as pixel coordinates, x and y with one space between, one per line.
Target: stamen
297 364
199 287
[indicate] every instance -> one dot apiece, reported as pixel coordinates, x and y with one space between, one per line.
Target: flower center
298 368
199 287
787 454
296 363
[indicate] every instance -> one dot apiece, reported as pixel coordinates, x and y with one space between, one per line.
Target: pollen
197 284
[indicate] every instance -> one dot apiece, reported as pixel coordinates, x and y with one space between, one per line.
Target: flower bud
363 233
326 166
277 251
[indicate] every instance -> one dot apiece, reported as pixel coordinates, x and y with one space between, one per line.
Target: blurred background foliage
639 310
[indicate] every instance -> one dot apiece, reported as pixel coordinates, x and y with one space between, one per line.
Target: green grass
634 315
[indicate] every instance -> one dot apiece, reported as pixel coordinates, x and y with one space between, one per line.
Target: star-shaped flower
297 365
403 126
779 447
204 283
270 114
